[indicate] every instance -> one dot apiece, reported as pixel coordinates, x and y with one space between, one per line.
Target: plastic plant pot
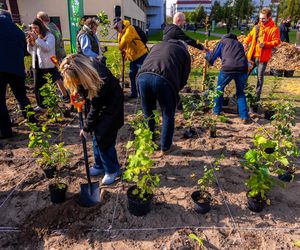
269 150
190 133
49 172
287 176
225 101
276 72
201 205
255 204
269 114
288 73
58 194
213 133
136 206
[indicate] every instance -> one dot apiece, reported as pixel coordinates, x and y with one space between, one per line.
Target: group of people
155 75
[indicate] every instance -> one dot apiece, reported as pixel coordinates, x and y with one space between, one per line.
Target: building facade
156 15
189 6
24 11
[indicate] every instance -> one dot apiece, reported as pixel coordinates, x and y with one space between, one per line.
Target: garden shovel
89 192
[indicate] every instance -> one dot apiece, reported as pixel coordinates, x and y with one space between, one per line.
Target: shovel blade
89 194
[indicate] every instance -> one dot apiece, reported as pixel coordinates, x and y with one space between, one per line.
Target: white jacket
44 49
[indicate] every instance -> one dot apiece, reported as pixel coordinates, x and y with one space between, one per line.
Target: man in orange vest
262 39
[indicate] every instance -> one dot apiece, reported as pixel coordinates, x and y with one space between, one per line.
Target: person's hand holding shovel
83 133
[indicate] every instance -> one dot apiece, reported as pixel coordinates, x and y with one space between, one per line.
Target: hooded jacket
12 46
170 60
172 31
130 42
106 114
269 35
231 51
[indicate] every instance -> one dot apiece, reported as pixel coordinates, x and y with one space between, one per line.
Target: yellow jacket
130 42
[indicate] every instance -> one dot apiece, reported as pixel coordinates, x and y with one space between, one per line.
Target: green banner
75 9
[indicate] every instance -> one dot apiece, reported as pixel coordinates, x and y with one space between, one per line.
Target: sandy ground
28 220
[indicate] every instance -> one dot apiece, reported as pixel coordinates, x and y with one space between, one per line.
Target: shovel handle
85 153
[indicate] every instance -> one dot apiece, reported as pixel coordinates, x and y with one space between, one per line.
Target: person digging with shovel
92 79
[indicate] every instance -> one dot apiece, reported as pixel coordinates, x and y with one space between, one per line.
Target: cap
115 21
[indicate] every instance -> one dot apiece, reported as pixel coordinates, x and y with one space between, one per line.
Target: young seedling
198 239
139 161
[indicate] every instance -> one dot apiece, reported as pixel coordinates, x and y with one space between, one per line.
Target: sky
169 2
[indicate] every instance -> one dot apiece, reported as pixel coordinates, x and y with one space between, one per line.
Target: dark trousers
153 87
40 81
17 85
134 67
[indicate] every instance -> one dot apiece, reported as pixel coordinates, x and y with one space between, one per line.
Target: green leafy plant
51 100
191 105
198 239
139 161
210 123
207 179
251 96
297 243
104 24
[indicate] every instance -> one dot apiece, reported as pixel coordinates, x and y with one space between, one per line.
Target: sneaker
94 171
110 178
37 108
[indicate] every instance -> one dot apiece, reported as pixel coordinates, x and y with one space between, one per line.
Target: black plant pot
187 90
254 108
58 195
288 73
287 176
276 72
202 206
136 206
269 114
190 133
213 133
225 101
50 172
256 204
269 150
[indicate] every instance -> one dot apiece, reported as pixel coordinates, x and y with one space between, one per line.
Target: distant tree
289 8
200 14
216 12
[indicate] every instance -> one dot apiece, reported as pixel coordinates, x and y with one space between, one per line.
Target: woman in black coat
91 78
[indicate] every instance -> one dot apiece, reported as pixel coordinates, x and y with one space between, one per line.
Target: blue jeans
240 83
107 159
134 67
154 87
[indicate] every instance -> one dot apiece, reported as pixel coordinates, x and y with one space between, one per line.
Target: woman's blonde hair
78 70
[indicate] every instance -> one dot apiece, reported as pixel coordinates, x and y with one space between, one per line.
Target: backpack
141 34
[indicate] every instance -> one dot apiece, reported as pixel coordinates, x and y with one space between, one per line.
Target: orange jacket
269 35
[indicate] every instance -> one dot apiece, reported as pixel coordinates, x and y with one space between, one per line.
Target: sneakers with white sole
94 171
110 178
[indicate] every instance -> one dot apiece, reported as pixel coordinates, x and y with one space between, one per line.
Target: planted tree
202 198
138 169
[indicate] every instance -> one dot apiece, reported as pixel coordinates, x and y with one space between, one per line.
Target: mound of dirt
286 56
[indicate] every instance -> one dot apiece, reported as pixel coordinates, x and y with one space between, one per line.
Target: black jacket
284 33
172 31
232 53
171 60
106 115
12 46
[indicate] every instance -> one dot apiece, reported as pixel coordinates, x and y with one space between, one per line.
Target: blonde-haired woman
91 79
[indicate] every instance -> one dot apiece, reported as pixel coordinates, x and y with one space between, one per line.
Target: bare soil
229 225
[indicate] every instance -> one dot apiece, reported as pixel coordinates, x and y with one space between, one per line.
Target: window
134 21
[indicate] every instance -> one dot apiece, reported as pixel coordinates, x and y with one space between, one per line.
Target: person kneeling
92 79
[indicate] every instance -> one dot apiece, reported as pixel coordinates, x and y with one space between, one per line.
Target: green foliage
269 103
139 161
51 100
104 24
210 123
251 96
198 239
114 63
223 119
289 8
191 105
297 243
